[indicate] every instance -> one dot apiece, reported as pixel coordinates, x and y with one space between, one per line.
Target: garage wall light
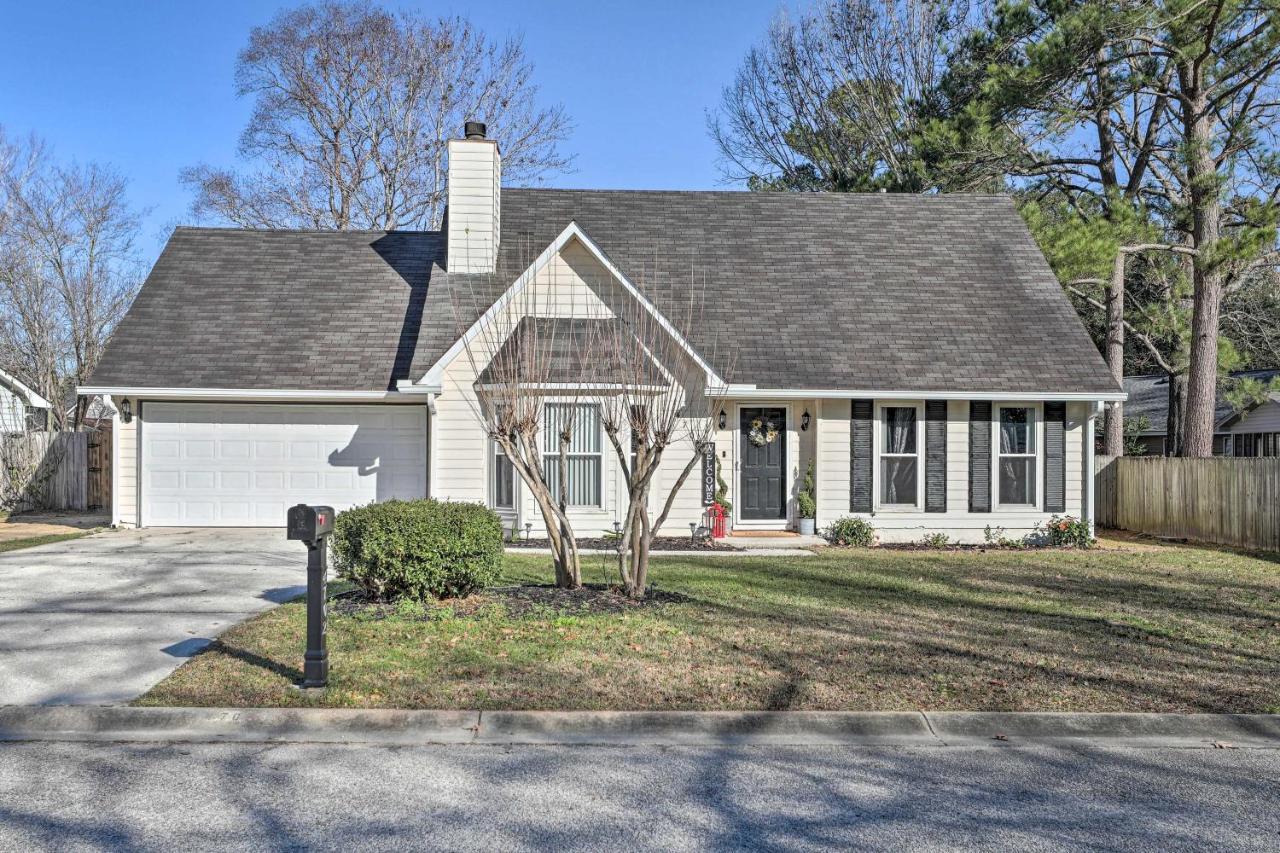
126 411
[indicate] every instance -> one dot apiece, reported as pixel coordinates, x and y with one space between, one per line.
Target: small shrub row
418 549
1058 532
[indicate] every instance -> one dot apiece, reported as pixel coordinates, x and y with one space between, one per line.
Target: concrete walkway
640 728
103 618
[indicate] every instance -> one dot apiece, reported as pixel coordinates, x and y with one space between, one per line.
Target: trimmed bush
418 549
1068 532
850 531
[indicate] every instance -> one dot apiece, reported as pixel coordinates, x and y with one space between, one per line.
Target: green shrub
418 549
1067 532
805 503
722 491
850 531
936 540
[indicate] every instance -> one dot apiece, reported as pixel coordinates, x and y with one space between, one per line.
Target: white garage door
232 464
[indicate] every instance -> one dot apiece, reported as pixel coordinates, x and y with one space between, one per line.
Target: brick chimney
475 201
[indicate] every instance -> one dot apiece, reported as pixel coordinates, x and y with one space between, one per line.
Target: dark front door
764 461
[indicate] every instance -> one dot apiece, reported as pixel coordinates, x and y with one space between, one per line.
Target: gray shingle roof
571 350
1149 398
229 308
840 292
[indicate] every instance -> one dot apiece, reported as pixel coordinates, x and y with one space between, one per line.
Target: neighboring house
1252 432
98 413
917 348
21 409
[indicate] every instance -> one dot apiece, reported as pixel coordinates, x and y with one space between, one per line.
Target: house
917 349
1255 431
21 409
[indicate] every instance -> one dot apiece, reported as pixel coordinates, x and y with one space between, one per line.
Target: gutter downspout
1089 473
115 463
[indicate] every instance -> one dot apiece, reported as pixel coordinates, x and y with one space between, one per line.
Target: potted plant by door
805 503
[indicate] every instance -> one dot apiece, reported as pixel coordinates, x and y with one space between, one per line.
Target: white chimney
475 201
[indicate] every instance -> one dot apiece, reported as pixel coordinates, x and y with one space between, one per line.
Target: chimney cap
474 130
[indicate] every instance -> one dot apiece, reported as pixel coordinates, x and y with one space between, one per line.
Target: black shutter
979 456
935 456
861 459
1055 457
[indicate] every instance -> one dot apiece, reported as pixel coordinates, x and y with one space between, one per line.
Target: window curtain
899 473
1017 473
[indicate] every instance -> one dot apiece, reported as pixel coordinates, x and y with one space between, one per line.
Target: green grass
46 539
1126 628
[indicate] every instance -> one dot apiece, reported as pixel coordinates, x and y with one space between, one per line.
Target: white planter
806 527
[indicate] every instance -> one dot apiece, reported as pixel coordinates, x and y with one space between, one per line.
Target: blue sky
147 86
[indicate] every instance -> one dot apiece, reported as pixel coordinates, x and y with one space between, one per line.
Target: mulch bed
517 601
662 543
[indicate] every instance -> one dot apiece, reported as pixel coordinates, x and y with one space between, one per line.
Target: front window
1017 463
504 480
583 457
899 457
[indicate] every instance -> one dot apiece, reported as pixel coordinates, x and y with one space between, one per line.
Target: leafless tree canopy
352 109
68 268
619 361
829 100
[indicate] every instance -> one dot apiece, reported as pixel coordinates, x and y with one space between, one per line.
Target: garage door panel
245 464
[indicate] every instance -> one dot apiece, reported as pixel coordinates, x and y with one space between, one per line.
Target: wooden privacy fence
1227 501
51 470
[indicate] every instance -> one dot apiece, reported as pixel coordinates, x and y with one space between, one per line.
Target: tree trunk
1113 430
1177 414
1206 302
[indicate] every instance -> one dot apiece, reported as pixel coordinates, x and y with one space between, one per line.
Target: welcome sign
708 451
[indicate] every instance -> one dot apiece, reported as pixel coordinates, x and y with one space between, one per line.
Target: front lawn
1131 627
45 539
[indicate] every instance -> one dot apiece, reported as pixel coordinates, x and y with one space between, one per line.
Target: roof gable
507 299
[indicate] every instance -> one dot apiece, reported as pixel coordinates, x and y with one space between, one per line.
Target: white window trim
600 483
1037 431
877 439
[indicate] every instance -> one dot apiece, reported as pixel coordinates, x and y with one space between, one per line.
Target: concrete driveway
99 620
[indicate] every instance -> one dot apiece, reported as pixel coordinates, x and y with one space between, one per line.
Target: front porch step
772 541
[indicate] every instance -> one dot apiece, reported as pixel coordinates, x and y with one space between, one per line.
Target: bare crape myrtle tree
521 361
657 402
567 361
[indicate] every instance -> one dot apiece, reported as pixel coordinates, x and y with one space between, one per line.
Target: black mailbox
310 523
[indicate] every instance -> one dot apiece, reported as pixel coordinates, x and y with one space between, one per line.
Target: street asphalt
69 796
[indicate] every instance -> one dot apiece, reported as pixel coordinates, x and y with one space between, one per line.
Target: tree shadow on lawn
218 647
938 630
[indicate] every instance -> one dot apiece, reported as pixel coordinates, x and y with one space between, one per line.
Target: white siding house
916 350
21 409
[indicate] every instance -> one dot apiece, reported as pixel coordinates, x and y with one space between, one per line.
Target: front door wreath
762 432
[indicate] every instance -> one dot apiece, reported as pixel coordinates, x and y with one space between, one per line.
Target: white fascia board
749 392
31 398
435 375
583 388
302 395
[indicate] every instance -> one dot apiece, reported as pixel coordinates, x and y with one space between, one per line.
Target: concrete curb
632 728
745 552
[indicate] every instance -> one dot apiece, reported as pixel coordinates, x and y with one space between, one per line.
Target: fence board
98 489
46 470
1227 501
1104 490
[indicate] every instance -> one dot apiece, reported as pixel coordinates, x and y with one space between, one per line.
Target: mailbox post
312 525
